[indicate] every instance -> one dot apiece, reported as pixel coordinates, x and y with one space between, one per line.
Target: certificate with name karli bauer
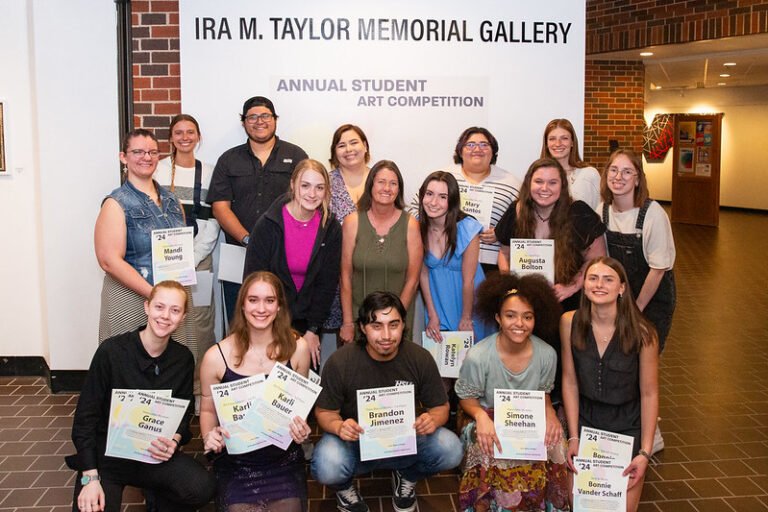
235 404
520 422
387 416
286 395
173 256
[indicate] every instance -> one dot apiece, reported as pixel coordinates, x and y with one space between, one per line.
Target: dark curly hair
533 289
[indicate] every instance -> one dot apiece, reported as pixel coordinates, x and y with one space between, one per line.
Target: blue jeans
335 462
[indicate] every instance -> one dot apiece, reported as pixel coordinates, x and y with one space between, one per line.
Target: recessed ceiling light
729 64
658 87
724 75
720 83
646 54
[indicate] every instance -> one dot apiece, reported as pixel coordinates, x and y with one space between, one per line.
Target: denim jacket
142 215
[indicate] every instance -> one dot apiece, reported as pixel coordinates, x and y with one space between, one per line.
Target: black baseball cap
258 101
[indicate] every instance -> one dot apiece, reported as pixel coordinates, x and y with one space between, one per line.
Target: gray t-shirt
483 371
351 368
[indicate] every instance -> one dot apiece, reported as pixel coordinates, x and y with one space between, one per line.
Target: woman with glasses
639 235
122 237
189 179
381 247
560 142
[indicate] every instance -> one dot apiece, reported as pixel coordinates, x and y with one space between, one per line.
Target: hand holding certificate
286 395
599 486
520 421
173 256
450 353
532 256
605 446
387 416
235 404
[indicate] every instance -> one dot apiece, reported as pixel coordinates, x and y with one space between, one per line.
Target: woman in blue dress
450 272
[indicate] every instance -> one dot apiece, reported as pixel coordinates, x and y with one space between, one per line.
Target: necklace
542 219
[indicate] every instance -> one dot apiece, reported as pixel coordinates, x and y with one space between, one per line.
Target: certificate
142 418
477 201
120 397
599 486
286 395
173 256
520 423
202 291
605 446
450 353
235 404
231 263
387 416
532 256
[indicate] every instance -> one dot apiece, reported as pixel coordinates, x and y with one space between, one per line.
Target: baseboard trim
58 381
67 381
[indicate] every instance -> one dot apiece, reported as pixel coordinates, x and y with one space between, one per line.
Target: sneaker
658 441
349 500
403 493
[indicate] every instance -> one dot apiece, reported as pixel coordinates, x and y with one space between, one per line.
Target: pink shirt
299 241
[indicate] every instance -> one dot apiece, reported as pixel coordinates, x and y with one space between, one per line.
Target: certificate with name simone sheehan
387 416
520 423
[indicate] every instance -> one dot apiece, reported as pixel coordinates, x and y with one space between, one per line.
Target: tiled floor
714 398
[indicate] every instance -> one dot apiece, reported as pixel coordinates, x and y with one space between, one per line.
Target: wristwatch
245 240
86 479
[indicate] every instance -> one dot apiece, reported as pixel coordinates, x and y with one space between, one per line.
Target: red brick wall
627 24
156 68
613 107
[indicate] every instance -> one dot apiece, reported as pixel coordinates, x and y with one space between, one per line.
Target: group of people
341 252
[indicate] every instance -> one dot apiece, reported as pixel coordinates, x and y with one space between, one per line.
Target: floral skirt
491 485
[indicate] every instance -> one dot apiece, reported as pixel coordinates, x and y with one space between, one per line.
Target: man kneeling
380 359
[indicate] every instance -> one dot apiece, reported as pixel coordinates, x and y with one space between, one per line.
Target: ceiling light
646 54
729 64
724 75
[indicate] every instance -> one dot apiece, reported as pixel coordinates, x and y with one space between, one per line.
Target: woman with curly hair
514 358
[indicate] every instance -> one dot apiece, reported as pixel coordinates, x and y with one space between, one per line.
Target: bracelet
175 441
572 438
644 454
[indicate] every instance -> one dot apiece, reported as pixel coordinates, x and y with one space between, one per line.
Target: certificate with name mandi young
532 256
173 256
286 395
599 486
387 416
605 446
521 424
450 353
235 404
140 418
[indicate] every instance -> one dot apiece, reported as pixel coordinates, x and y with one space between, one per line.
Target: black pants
181 484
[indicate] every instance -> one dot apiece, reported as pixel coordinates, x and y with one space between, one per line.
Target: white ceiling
699 64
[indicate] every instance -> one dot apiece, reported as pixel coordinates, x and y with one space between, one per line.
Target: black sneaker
349 500
403 493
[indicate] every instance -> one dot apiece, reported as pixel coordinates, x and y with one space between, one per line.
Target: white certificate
605 446
387 416
286 395
599 486
173 256
532 256
235 404
231 263
142 418
202 291
477 201
521 424
450 353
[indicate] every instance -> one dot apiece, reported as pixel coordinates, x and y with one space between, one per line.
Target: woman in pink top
299 240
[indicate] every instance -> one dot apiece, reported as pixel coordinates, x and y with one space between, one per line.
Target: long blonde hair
309 164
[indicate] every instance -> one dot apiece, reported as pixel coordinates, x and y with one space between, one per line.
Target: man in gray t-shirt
381 359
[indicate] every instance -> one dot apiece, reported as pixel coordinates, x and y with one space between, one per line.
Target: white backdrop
508 66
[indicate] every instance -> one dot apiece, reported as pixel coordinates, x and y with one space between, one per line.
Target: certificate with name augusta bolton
605 446
173 256
235 404
139 417
532 256
521 424
286 395
450 353
387 416
599 486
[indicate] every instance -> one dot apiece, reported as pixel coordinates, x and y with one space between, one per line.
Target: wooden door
696 169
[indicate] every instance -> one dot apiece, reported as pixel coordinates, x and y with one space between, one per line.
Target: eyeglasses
140 153
477 145
626 173
255 118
